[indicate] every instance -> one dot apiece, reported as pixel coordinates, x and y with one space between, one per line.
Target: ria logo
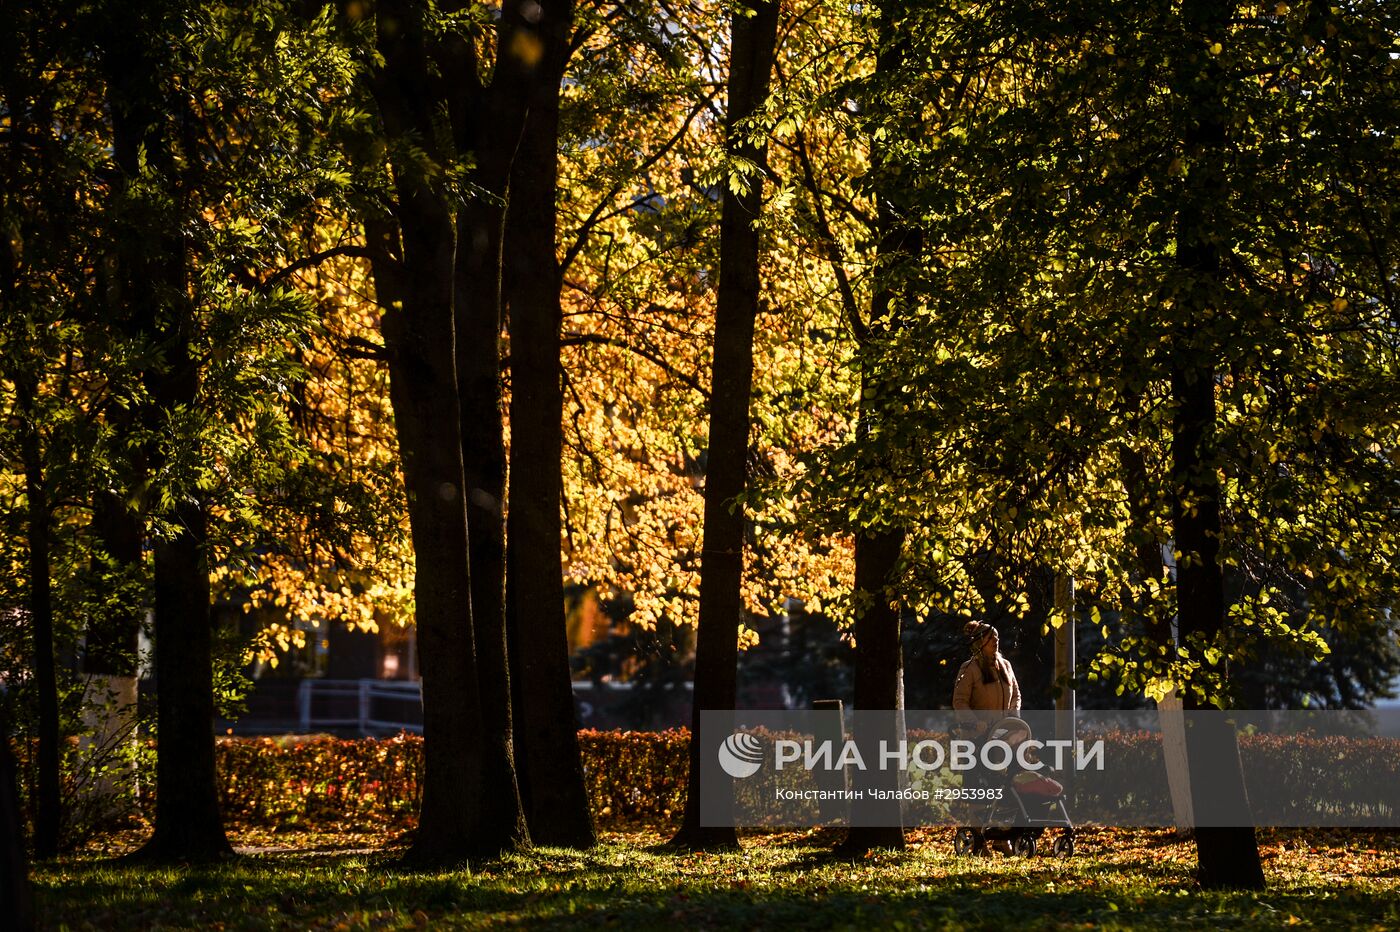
741 755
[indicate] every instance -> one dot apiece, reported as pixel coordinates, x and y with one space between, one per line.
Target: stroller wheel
966 842
1064 846
1025 846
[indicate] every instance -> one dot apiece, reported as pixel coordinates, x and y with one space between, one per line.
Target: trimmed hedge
635 777
632 776
294 779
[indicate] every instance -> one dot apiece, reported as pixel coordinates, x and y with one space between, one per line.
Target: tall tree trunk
470 806
487 128
879 655
879 686
753 46
16 901
1228 857
188 824
484 470
48 821
150 297
423 393
550 766
48 804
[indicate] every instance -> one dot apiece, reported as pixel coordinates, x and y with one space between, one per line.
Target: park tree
153 184
753 37
548 759
643 176
502 131
149 350
414 255
215 153
1153 307
45 249
876 601
151 302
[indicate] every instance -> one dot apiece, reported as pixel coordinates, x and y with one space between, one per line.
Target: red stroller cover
1033 784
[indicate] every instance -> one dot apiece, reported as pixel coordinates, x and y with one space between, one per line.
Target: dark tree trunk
549 764
16 901
1228 856
48 821
487 128
188 824
471 807
484 470
753 46
111 639
48 801
879 656
150 297
423 392
879 686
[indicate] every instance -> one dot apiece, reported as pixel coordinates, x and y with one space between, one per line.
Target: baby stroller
1029 802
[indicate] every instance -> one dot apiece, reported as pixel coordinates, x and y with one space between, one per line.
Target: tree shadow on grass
254 892
963 905
562 890
816 859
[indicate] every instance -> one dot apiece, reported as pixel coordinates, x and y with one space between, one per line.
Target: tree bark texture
188 823
470 804
150 296
16 900
879 655
486 128
879 683
1228 857
48 821
754 39
548 759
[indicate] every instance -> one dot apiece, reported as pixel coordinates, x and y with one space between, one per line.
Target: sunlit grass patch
1120 879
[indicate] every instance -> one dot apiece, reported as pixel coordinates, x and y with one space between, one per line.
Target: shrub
637 777
632 776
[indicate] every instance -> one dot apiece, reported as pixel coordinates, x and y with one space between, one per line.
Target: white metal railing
360 704
367 719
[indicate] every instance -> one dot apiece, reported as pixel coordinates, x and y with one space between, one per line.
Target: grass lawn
1117 879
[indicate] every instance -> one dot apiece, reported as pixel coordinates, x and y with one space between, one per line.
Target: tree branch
584 339
596 217
306 262
832 248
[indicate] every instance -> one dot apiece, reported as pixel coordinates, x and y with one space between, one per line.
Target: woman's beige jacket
975 693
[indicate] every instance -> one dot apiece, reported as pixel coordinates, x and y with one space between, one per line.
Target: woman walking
985 693
986 682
